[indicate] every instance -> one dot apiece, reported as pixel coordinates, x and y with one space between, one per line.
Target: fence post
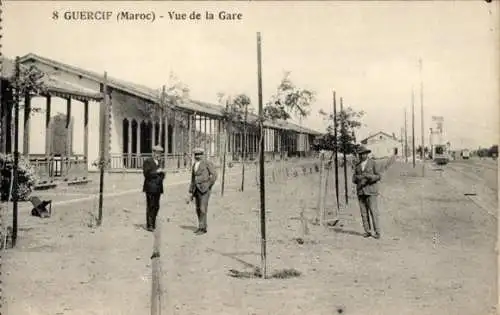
320 191
156 290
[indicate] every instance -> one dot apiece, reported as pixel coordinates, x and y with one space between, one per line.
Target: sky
367 51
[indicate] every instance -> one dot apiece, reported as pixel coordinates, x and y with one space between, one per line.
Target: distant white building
383 145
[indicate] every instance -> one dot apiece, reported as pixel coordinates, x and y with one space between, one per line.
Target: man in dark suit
366 178
153 186
203 177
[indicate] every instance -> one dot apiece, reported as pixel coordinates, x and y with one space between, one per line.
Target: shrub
27 176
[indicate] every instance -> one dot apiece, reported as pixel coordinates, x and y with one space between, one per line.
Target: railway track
486 165
474 187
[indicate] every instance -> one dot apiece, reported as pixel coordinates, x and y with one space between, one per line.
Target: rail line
490 206
491 166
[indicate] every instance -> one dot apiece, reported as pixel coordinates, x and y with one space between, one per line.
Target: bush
27 176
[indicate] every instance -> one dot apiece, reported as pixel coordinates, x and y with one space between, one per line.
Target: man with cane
153 186
366 177
203 177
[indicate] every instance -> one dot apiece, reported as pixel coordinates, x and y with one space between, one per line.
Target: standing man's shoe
366 234
376 236
201 232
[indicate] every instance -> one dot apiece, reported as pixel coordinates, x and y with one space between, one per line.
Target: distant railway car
465 154
441 155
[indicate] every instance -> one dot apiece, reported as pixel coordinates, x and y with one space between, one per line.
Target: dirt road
436 255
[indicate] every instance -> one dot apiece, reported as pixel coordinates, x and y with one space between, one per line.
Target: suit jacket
366 180
203 178
153 181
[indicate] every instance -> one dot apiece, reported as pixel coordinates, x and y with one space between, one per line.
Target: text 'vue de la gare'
146 16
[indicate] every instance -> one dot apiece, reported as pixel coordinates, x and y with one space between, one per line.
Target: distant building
383 145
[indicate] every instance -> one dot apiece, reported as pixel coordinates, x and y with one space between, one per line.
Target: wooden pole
336 147
321 199
244 149
27 124
156 290
103 143
326 178
164 120
413 127
422 153
261 163
224 153
344 148
16 155
406 139
401 136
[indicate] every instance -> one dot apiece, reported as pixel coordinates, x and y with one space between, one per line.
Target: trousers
152 208
369 212
201 201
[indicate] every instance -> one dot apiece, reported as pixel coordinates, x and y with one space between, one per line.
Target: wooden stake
103 143
413 128
406 139
261 166
321 206
16 154
422 153
336 149
225 144
156 287
344 149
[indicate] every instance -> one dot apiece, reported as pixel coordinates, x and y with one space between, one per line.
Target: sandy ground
436 255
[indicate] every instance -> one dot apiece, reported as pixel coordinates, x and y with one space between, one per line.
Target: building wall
383 146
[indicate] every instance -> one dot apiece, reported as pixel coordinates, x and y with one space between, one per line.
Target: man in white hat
203 177
366 177
153 186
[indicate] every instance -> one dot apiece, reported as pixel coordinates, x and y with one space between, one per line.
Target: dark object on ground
40 207
281 274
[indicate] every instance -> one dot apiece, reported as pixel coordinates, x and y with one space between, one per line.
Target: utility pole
406 139
401 137
422 153
431 149
413 127
261 163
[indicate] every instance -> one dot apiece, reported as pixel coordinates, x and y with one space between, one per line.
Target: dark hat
362 150
198 151
157 148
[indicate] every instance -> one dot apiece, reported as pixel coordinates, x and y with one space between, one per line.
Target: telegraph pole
261 162
413 127
401 137
406 139
422 153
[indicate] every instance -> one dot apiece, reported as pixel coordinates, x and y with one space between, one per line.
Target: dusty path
436 256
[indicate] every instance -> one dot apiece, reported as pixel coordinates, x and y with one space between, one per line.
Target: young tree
351 121
235 114
26 82
169 97
288 101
